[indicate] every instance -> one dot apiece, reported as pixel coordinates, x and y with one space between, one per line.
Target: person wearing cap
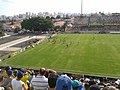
25 78
17 84
4 71
8 79
40 82
75 84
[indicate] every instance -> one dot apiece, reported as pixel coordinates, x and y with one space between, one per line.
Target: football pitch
94 54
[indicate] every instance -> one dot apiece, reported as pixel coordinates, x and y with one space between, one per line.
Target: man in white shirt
17 84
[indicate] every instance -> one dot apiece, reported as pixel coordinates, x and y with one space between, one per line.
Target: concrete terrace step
9 44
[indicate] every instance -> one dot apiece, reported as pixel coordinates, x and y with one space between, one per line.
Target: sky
15 7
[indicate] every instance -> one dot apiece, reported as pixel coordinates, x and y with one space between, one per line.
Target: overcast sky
14 7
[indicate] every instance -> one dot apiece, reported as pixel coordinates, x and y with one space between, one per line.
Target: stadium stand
77 82
95 23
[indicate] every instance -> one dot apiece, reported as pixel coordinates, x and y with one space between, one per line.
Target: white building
2 17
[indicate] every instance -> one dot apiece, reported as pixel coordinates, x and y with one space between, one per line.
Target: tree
57 28
52 17
47 17
37 24
17 29
1 29
58 17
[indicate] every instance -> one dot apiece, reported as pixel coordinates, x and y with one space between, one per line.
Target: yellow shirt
5 74
25 78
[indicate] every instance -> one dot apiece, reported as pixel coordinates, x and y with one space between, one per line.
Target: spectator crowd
48 79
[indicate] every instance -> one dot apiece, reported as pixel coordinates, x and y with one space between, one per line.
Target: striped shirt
39 83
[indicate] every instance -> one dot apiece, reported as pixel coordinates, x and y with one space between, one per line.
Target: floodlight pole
81 7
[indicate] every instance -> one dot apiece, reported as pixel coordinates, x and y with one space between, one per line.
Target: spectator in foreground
8 79
1 82
25 78
40 82
63 83
4 71
52 78
17 84
82 87
86 86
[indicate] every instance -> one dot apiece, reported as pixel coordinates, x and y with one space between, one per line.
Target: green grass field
92 54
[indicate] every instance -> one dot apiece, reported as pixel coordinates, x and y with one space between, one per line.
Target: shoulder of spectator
23 85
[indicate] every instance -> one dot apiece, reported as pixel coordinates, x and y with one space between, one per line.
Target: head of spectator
5 69
105 88
92 82
52 80
87 79
15 72
32 73
9 72
42 71
51 72
63 83
111 88
23 70
94 87
20 75
75 84
81 80
101 80
28 72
